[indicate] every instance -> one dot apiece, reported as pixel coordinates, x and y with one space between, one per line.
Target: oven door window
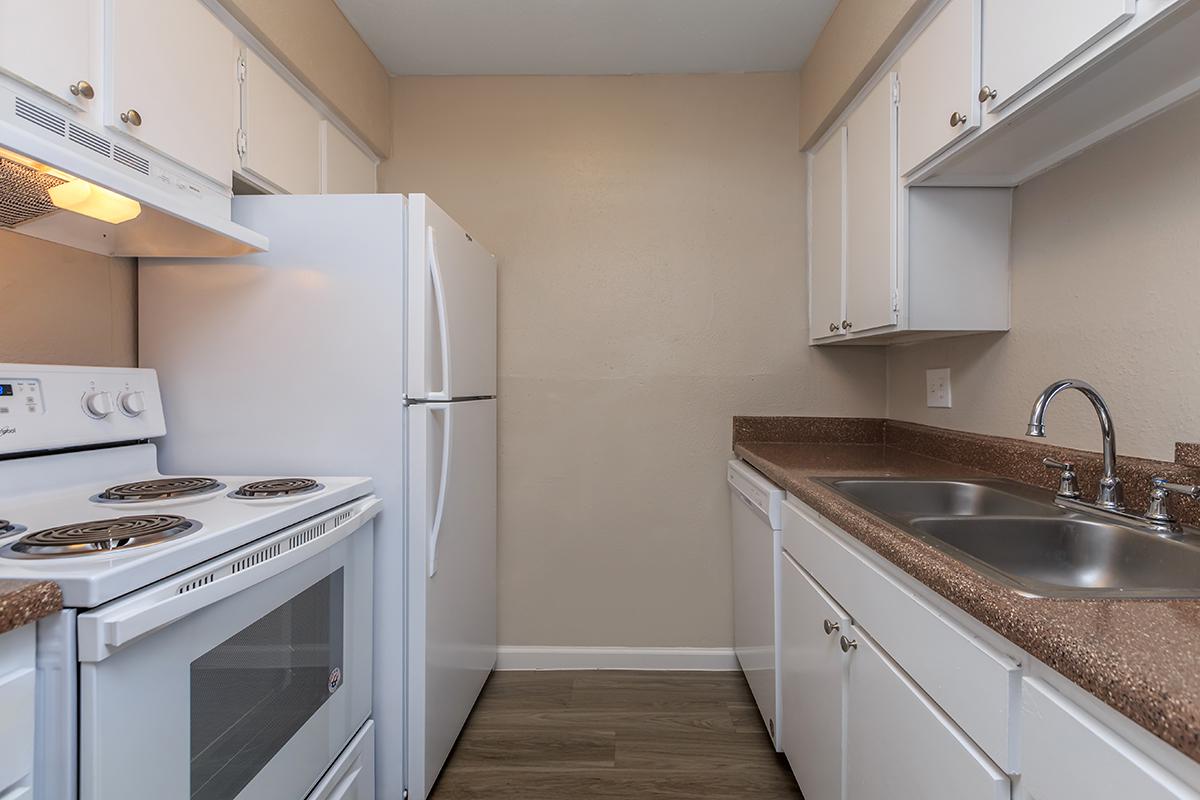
255 690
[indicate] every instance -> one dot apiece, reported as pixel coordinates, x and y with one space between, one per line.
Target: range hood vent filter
24 193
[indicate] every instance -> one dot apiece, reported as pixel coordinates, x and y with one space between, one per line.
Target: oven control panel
55 407
20 396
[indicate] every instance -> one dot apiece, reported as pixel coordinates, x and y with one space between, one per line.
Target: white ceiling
587 37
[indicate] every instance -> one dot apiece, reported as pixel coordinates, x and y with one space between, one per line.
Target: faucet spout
1111 493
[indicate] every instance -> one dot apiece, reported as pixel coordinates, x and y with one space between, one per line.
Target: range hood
65 182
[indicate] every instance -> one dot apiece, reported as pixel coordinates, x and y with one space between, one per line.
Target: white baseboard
517 657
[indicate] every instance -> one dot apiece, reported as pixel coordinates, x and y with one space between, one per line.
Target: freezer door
451 287
452 573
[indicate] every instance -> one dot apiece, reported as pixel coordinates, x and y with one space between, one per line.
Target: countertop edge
25 602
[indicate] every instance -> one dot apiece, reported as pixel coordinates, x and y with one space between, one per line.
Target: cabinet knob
957 119
131 117
83 89
847 324
831 626
848 645
833 327
986 93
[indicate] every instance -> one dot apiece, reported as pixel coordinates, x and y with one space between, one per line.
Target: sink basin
1017 536
942 498
1063 556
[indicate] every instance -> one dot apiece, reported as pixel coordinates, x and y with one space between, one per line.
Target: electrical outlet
937 388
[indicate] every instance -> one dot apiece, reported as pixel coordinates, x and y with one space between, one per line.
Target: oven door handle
104 632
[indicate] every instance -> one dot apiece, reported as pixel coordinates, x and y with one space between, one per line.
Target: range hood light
94 201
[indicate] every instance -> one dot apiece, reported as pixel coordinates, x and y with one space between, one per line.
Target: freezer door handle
447 411
439 297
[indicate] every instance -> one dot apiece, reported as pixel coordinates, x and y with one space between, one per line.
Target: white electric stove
221 622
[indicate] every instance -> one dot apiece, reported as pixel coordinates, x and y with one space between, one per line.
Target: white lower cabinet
887 696
1067 754
813 679
899 743
17 694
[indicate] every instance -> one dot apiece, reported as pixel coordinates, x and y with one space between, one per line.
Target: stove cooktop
98 549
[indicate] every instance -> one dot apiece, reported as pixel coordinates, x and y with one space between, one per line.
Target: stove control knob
97 405
132 403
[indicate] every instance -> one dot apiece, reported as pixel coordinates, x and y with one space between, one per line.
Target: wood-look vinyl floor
615 735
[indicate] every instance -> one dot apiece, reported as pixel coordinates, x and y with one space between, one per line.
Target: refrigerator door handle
447 410
439 297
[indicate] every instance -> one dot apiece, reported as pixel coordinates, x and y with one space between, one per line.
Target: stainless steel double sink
1017 536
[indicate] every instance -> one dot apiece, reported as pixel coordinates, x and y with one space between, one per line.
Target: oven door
242 678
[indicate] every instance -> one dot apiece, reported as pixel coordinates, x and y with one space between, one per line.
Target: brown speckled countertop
1141 657
22 602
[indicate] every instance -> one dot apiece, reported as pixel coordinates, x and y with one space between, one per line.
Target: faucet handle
1158 511
1068 485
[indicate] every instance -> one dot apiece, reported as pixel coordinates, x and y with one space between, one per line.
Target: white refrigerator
363 342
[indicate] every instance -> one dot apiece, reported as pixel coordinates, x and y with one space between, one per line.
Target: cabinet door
281 132
47 44
871 209
899 744
171 69
344 168
827 236
1024 40
939 84
813 680
1066 754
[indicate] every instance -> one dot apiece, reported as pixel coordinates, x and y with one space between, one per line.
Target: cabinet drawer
975 684
352 776
1066 754
900 744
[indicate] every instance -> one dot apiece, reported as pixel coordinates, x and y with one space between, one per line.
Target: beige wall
317 43
65 306
1106 287
854 43
649 232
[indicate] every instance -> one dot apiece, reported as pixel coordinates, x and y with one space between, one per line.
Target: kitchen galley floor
556 735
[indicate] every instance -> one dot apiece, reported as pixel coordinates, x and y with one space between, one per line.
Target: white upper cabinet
47 44
826 236
871 210
280 136
1024 40
939 84
170 64
345 169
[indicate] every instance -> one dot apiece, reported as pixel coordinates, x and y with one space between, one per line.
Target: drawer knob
833 327
131 117
986 93
831 626
957 119
848 645
83 89
847 324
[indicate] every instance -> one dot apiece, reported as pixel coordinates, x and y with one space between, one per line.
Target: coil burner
275 488
159 489
101 536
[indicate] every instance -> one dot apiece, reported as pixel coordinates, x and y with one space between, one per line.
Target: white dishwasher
755 510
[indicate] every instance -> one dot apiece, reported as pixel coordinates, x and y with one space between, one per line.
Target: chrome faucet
1111 495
